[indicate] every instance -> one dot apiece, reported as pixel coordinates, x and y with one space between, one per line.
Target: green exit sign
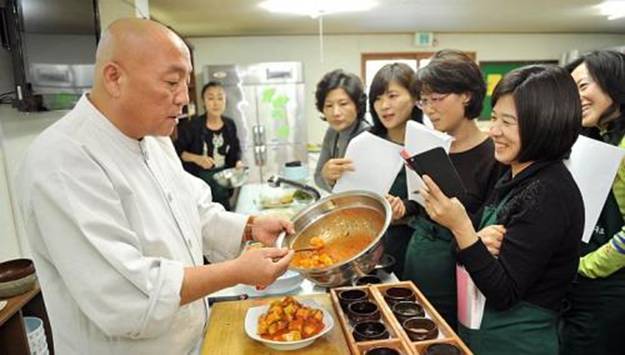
424 39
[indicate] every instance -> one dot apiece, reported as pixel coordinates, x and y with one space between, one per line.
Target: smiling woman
540 207
392 104
596 298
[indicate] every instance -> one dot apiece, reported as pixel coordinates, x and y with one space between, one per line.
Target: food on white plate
288 320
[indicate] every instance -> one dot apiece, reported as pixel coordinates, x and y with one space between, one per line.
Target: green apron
220 194
522 329
594 318
430 263
397 235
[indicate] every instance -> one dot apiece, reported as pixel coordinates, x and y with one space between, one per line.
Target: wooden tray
398 340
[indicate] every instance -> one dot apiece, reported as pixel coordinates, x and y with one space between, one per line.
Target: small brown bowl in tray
386 296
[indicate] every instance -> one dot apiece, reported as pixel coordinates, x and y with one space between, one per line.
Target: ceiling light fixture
316 8
612 9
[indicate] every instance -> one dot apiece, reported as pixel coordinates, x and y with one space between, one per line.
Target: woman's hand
397 207
266 229
333 169
204 161
239 165
492 236
448 212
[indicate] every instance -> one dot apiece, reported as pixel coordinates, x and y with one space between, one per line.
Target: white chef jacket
112 222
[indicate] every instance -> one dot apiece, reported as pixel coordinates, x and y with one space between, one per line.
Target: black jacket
544 221
193 134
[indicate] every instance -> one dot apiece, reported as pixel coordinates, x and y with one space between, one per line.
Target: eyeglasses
430 101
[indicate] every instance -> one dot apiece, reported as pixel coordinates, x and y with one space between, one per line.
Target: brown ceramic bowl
363 311
368 330
382 351
16 269
442 349
420 328
393 295
367 280
350 296
16 277
407 309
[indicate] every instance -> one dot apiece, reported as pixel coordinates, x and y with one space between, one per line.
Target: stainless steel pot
339 216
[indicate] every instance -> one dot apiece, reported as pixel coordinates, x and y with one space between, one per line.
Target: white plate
290 280
251 327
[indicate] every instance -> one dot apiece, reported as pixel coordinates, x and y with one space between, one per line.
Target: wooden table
226 330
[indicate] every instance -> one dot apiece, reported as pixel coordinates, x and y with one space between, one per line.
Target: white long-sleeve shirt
112 222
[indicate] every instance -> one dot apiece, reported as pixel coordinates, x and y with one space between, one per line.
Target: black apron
220 194
397 236
594 318
523 329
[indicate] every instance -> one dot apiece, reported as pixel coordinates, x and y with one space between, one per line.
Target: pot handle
281 240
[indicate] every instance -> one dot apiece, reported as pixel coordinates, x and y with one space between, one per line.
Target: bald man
117 228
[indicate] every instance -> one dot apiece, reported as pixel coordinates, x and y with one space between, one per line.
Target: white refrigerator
266 101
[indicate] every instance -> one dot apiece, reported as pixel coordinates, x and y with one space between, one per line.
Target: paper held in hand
376 163
593 165
471 301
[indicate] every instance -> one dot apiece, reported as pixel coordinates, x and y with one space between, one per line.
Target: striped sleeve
606 260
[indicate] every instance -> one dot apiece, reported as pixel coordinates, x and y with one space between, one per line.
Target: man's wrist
248 234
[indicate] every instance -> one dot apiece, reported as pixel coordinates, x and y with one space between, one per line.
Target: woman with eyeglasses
535 121
451 90
392 104
341 100
594 321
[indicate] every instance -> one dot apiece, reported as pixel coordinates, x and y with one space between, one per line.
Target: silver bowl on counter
232 177
339 216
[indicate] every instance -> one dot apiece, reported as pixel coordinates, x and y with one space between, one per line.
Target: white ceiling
246 18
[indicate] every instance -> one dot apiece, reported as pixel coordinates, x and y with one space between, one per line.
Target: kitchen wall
110 10
9 247
17 131
343 51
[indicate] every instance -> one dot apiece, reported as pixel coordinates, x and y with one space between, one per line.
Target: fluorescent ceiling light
612 9
316 8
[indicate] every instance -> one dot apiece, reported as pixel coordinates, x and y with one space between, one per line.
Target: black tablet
436 164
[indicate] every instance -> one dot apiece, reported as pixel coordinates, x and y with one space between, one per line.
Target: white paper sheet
471 301
593 165
376 163
419 139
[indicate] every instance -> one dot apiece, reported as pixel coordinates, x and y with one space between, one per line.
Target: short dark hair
548 110
607 69
339 79
403 75
452 71
211 84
